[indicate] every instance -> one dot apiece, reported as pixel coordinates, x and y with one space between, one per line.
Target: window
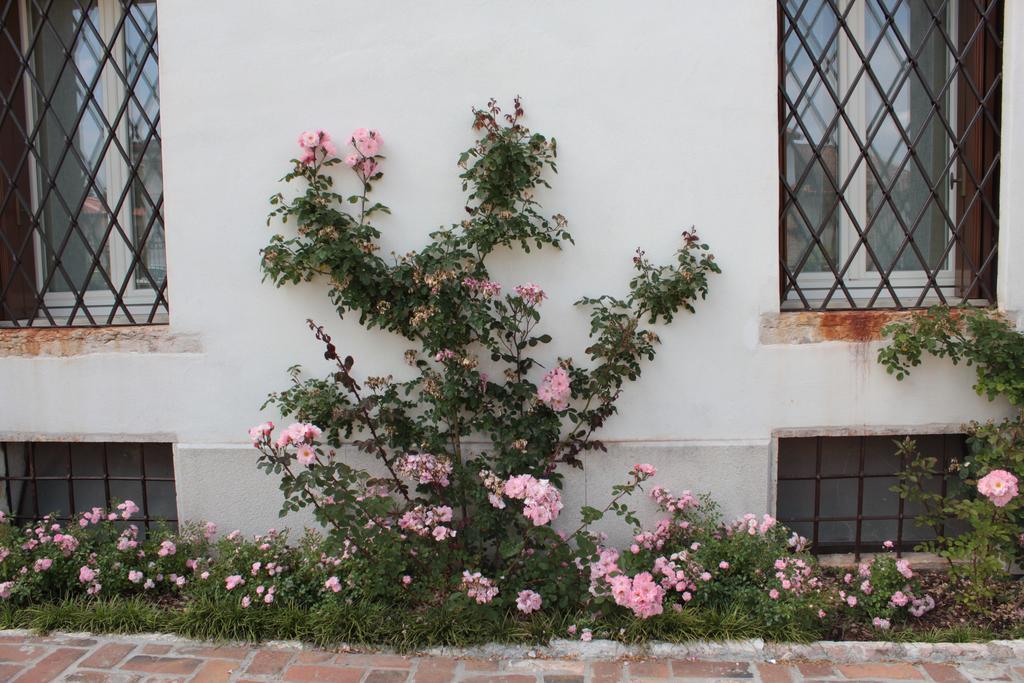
66 478
81 230
889 148
836 491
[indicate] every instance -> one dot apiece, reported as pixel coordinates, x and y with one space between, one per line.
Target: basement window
837 491
64 479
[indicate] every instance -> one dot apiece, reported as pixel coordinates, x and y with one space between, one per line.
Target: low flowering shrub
886 590
96 554
696 565
981 498
693 560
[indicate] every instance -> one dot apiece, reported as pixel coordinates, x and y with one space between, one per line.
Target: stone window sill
813 327
80 341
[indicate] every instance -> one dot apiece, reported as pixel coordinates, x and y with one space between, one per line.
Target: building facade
846 160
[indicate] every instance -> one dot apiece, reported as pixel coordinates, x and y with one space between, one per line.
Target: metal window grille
62 479
889 116
836 491
81 189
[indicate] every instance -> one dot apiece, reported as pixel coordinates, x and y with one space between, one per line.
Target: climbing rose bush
472 437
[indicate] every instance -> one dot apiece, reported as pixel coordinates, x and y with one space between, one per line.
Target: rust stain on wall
79 341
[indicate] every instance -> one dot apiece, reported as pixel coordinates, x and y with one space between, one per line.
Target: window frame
853 278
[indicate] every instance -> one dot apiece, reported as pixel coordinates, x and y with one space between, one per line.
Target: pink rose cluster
478 587
128 508
485 288
301 435
999 486
681 573
641 594
794 575
750 525
669 503
425 468
367 144
428 521
542 500
653 540
531 293
313 141
445 355
528 601
554 390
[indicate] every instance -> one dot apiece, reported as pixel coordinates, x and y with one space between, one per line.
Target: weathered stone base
223 485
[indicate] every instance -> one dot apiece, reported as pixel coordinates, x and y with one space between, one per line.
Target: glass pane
72 181
89 494
125 459
87 459
53 498
144 141
161 499
836 532
50 459
918 190
838 497
878 498
797 457
126 490
795 500
840 455
877 531
811 136
159 460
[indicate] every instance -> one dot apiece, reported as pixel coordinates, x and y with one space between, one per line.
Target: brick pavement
117 659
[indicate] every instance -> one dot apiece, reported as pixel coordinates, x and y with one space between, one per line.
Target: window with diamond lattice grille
889 146
81 190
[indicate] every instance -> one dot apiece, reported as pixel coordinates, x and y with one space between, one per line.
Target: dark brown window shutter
979 91
18 298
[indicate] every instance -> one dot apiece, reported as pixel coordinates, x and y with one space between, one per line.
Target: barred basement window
81 185
889 117
67 478
836 491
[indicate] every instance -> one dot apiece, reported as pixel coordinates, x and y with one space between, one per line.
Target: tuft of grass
403 630
119 615
952 634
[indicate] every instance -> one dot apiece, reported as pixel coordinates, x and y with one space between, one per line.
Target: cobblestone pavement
116 659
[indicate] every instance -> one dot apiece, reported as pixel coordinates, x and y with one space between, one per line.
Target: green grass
377 625
384 626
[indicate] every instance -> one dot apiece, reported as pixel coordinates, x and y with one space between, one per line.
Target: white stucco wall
666 117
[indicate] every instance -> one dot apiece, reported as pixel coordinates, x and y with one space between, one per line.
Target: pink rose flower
305 454
999 486
528 601
85 574
234 581
644 469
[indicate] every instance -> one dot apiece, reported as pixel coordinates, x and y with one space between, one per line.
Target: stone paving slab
132 659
